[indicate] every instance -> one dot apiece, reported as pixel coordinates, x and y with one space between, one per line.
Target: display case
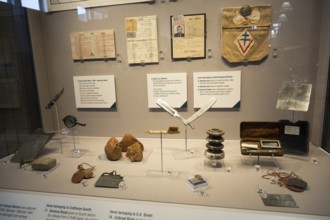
243 96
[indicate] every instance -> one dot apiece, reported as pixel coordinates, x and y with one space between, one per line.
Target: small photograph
179 31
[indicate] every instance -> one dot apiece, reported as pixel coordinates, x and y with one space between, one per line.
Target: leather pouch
78 176
109 180
83 173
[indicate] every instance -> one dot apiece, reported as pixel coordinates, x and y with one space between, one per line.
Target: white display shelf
233 186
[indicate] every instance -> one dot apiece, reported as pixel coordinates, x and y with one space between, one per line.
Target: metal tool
170 110
202 110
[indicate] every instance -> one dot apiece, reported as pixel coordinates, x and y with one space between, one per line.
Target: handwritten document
141 39
188 36
93 45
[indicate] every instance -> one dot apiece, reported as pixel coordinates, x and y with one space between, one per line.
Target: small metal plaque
279 200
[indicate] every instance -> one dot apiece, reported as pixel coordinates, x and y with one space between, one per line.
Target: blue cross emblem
245 38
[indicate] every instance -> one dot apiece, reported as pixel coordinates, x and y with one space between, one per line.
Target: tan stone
127 141
112 149
135 152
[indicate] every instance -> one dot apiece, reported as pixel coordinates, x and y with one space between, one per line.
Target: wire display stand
161 172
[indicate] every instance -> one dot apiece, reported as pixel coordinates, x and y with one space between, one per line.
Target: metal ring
215 132
214 148
214 156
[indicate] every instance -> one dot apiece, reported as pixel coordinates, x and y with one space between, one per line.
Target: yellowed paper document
93 45
141 39
188 36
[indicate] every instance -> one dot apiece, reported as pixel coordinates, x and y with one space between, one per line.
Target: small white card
292 130
224 85
95 91
170 87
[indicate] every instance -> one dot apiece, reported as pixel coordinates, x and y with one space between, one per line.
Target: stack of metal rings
214 144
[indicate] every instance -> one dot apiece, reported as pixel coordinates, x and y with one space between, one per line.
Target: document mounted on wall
170 87
95 91
142 39
224 85
56 5
188 34
93 45
294 96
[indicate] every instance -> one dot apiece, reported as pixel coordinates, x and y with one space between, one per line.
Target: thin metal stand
292 117
74 140
186 138
161 152
57 119
161 172
259 163
258 160
188 153
58 126
76 152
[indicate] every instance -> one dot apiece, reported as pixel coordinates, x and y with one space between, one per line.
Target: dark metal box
294 137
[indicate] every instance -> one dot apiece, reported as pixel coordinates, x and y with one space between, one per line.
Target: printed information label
95 91
47 206
225 86
170 87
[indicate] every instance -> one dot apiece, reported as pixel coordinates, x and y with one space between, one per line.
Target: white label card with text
224 85
170 87
95 91
39 206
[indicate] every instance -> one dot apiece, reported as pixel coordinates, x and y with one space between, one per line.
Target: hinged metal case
260 139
